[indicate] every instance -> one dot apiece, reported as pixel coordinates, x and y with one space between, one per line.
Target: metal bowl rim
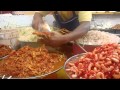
35 77
69 59
91 45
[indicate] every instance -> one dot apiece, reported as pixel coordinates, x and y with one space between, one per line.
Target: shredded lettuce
25 34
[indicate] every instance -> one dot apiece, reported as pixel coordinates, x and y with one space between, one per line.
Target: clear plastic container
9 37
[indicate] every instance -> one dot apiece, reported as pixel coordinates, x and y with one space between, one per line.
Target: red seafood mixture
102 63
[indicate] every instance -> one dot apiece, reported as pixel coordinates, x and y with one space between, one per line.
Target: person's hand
37 20
44 27
42 34
52 38
35 24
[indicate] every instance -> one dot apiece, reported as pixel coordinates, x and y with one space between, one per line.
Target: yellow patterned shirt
65 15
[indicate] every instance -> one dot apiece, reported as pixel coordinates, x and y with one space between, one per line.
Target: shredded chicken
28 62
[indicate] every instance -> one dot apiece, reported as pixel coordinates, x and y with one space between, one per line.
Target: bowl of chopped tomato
102 63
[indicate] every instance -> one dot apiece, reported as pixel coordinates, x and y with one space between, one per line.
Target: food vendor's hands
39 24
52 38
44 27
55 39
35 24
37 20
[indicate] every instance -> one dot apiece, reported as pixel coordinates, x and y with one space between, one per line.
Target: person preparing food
78 22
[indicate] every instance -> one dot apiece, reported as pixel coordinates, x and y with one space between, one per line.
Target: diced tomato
76 64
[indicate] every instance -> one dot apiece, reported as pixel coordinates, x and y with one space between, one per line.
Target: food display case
26 58
106 21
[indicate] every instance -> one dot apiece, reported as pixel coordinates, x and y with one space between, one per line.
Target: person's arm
81 30
57 39
37 18
84 19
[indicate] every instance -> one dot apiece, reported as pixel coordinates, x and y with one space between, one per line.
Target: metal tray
37 77
108 30
117 31
35 44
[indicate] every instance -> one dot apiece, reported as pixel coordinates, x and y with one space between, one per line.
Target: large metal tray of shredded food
54 64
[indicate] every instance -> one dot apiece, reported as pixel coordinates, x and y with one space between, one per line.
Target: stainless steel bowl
72 59
36 44
31 44
35 77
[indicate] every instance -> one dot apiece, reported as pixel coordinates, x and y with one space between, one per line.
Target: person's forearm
38 16
37 19
81 30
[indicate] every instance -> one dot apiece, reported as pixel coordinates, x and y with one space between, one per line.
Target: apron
70 24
